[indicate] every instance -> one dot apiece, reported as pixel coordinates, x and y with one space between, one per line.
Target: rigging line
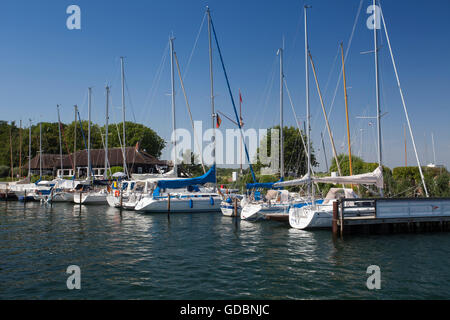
345 60
129 98
404 104
268 93
155 83
232 99
296 121
194 47
189 110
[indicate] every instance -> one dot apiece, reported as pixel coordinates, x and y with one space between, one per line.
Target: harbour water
128 255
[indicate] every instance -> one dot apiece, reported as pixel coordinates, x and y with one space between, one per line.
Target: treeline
400 182
148 139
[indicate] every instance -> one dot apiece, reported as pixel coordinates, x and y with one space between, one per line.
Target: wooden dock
385 215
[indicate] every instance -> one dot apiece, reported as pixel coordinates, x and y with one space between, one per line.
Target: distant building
137 162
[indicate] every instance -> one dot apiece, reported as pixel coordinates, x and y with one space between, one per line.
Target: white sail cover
371 178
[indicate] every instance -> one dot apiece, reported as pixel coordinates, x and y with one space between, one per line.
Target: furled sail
209 177
371 178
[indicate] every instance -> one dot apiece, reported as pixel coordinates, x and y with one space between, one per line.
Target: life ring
117 193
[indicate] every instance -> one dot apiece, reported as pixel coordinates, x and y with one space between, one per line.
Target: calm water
205 256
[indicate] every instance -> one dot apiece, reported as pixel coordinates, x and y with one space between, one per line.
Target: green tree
295 157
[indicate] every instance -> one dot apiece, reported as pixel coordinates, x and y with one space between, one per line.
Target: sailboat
183 195
94 191
320 216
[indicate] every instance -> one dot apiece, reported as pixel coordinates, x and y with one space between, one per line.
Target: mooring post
335 217
341 203
235 206
168 206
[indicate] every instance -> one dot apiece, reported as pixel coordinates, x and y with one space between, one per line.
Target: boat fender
191 203
117 193
211 201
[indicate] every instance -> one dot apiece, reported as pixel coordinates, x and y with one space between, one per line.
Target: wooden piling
168 206
335 218
235 207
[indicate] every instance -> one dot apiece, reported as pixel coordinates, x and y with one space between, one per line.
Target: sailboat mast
75 144
106 132
172 72
213 112
241 123
434 150
346 112
308 131
280 53
377 88
89 132
123 116
11 150
29 151
20 149
60 143
40 149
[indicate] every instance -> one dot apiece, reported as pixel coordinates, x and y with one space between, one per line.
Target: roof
133 156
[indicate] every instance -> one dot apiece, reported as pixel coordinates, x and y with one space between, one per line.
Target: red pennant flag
240 96
218 121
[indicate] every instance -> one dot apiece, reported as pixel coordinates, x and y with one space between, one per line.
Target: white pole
123 117
89 132
29 151
434 150
404 106
377 88
213 112
60 143
40 149
175 166
280 53
105 175
308 125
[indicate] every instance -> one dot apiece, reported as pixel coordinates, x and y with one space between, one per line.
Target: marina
201 190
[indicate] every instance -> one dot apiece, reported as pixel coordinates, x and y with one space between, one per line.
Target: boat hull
179 205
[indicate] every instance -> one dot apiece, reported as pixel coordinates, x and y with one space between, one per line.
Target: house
138 161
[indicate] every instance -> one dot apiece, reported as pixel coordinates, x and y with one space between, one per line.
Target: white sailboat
320 216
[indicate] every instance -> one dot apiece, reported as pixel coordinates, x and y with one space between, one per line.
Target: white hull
308 218
260 211
90 198
177 204
228 210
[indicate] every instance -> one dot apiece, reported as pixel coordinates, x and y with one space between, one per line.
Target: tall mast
75 144
330 134
20 149
377 88
60 144
29 151
123 117
172 71
213 112
89 133
308 131
40 149
324 152
241 123
346 111
434 150
404 133
11 149
106 132
280 53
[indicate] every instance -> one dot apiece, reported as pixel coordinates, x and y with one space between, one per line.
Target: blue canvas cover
209 177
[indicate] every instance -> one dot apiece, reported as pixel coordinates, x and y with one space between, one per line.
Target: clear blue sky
44 64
